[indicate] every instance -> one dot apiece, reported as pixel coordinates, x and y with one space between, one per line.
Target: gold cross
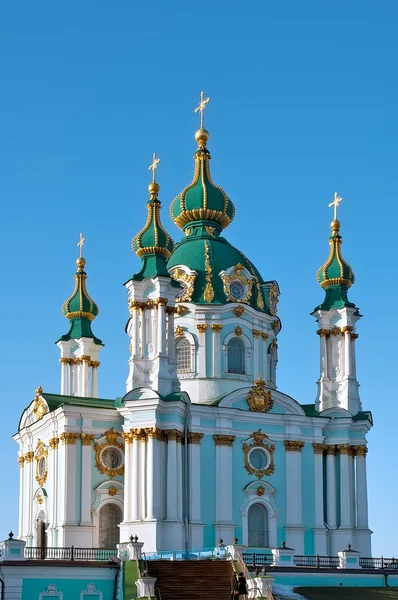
201 107
154 166
335 204
80 244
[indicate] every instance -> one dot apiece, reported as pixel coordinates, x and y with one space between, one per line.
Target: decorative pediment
186 278
40 407
259 399
106 491
41 457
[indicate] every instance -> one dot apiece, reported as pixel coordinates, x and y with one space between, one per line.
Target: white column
171 498
94 380
161 324
319 518
347 350
133 478
294 512
224 523
331 508
29 487
142 475
21 461
53 471
179 475
85 373
217 357
351 470
128 443
318 482
151 475
143 332
201 327
68 441
134 340
171 346
87 440
354 336
345 487
63 377
323 334
194 476
362 487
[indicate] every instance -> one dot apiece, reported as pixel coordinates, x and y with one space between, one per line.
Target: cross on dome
201 108
154 166
81 244
335 204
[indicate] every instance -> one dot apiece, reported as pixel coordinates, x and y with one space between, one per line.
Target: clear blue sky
304 103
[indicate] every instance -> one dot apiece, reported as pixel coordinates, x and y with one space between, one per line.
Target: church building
204 445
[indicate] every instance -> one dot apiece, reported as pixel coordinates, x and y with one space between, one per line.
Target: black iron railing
378 563
257 559
316 562
70 553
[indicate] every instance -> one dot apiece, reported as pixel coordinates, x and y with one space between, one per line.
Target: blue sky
303 104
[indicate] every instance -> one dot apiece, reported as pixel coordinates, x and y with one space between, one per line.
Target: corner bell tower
337 318
151 303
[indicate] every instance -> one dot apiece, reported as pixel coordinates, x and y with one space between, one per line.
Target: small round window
41 468
111 458
237 290
259 459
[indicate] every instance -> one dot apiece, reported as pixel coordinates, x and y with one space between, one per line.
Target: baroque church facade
204 445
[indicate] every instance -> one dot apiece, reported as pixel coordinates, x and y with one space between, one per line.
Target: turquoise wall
308 499
71 588
329 580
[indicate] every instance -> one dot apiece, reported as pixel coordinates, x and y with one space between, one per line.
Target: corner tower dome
335 275
79 308
153 244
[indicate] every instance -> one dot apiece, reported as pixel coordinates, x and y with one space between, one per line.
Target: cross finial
201 108
154 166
335 204
81 243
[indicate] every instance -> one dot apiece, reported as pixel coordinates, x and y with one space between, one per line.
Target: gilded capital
201 327
238 330
216 327
360 450
239 310
256 333
180 437
323 333
68 437
94 364
343 448
53 443
128 437
347 329
87 439
319 448
336 330
180 310
29 457
179 330
85 358
195 437
224 440
331 450
153 433
293 445
172 434
265 336
354 336
171 310
21 460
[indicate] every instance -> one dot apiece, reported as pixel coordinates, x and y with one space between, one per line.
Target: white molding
91 592
268 501
51 592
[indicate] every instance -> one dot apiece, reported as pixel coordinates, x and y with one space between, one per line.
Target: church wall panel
79 475
308 487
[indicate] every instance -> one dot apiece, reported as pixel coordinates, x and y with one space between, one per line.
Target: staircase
192 579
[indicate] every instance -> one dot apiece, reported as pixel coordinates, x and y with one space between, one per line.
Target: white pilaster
64 390
257 372
345 487
134 478
21 461
29 487
224 525
217 366
294 512
362 488
172 494
179 475
331 507
68 457
151 475
94 380
201 327
128 484
319 527
170 334
86 485
53 478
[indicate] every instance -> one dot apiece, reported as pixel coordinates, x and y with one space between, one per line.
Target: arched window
258 526
41 541
236 356
110 517
183 355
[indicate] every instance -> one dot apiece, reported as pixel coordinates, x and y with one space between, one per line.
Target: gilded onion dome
79 308
153 244
335 275
202 200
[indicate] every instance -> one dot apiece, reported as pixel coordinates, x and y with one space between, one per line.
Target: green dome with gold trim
79 308
202 200
335 275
